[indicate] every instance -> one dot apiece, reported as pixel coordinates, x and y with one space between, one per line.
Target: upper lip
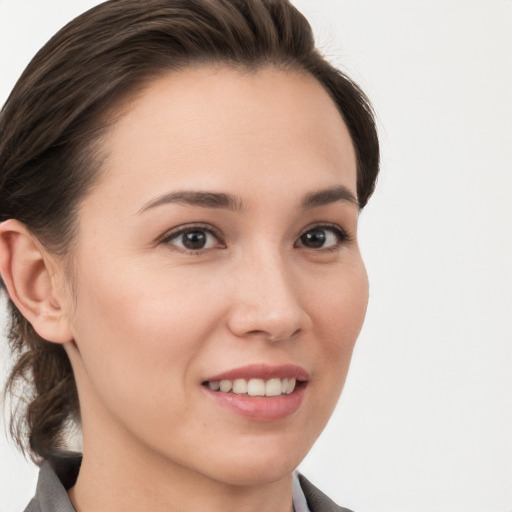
262 371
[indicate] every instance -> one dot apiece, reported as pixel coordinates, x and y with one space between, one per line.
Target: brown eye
314 238
193 239
322 237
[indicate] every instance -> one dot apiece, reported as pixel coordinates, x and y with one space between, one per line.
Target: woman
180 188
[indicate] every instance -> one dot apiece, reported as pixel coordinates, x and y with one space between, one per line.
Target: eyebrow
193 198
231 202
327 196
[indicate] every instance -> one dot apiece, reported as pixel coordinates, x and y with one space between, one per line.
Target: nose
267 302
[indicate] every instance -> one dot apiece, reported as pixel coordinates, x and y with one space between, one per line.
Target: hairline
120 105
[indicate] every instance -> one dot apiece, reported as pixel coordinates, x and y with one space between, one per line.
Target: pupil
194 240
314 238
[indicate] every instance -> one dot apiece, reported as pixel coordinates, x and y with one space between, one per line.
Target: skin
150 320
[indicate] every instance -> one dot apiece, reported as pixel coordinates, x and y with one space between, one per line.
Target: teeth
291 386
240 386
273 387
214 385
255 387
225 386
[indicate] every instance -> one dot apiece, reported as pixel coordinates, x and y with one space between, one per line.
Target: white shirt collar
299 499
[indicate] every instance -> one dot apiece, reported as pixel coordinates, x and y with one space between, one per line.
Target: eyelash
341 234
343 237
167 239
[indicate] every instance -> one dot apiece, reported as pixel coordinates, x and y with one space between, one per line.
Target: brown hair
60 106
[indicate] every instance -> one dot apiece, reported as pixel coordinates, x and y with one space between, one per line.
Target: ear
25 269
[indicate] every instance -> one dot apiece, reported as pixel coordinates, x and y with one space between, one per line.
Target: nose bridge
266 301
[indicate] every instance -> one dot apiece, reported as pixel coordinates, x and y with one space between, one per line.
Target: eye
322 237
193 239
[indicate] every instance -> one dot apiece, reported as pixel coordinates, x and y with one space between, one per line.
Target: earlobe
28 278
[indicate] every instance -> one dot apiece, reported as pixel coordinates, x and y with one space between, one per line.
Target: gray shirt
59 475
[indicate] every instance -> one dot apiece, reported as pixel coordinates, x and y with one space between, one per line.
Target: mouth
255 387
259 392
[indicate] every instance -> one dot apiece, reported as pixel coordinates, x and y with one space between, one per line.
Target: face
219 249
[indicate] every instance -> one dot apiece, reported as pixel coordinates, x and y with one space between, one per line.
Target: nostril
268 320
284 335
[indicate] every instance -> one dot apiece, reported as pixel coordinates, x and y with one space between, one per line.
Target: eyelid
341 233
184 228
344 237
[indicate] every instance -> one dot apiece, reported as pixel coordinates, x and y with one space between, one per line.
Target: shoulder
33 506
55 476
317 500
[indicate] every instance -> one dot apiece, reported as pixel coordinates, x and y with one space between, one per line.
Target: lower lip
261 408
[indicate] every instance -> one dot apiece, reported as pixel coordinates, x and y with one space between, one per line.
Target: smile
259 392
254 387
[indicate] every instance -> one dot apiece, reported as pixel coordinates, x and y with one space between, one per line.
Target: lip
261 408
263 371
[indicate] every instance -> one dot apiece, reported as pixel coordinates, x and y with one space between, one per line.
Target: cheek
339 315
137 337
136 303
341 307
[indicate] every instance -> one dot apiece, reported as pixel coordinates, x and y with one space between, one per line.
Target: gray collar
54 478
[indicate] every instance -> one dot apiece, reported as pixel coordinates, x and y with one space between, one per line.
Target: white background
425 421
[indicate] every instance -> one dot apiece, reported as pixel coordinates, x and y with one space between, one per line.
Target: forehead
209 127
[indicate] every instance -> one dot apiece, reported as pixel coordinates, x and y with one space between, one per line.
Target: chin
263 462
254 473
